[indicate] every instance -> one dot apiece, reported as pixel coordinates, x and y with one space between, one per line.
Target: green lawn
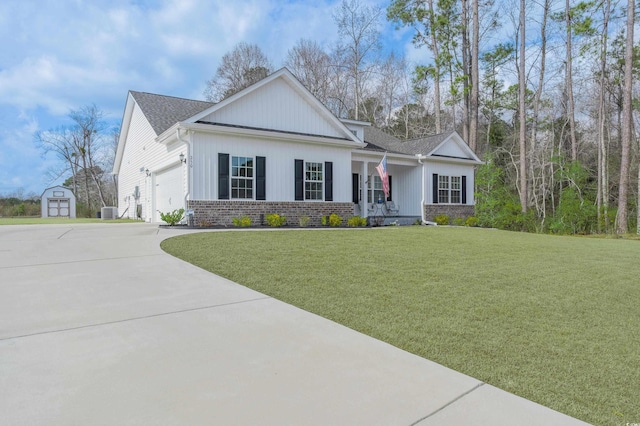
56 220
552 319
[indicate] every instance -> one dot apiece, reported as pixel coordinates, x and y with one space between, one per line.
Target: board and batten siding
280 160
276 106
406 189
449 169
142 152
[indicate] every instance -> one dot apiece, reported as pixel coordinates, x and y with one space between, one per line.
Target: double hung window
313 181
242 177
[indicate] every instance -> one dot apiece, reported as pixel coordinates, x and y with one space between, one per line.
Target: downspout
422 201
188 156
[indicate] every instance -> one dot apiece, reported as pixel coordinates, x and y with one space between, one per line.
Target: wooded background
543 91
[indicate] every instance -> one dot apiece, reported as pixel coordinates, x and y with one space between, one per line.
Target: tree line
542 91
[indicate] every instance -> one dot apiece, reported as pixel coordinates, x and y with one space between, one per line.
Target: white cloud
67 54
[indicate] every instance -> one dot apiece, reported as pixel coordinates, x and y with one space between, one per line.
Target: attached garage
169 191
58 201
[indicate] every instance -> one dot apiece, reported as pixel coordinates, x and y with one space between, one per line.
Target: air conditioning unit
108 213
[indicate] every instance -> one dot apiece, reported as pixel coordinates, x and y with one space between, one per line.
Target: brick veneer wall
451 210
222 212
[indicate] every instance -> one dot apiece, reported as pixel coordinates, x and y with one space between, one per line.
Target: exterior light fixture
182 158
148 172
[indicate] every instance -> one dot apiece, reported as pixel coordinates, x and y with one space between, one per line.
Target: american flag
384 176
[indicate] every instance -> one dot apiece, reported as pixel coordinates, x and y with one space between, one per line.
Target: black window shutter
355 188
299 183
223 176
435 188
261 178
464 190
328 181
390 186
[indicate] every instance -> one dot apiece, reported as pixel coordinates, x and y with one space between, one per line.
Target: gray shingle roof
378 140
163 112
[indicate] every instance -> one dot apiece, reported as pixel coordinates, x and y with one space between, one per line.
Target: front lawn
552 319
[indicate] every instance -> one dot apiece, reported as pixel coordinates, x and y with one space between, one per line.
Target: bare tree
539 201
522 82
83 153
358 27
312 66
425 22
603 172
569 83
622 222
239 69
475 76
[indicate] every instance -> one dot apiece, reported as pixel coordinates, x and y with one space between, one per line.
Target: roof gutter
422 201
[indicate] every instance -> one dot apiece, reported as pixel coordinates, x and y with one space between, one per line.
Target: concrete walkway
98 326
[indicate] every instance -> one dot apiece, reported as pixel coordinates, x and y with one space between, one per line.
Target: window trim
447 188
318 183
233 178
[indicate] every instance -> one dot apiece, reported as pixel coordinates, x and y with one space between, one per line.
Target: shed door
169 195
58 207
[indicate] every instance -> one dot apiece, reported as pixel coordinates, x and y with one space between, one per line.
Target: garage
58 201
168 191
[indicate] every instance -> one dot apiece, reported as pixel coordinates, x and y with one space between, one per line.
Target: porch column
364 209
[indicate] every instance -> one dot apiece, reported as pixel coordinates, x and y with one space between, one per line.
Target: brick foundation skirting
222 212
453 211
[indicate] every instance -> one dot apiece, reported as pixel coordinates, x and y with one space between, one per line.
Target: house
274 148
58 201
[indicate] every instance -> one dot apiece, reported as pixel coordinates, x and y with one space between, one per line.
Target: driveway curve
99 326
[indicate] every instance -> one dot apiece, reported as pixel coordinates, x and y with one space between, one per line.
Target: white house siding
142 153
276 106
406 188
280 156
448 169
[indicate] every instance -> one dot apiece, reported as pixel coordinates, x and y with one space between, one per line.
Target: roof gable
445 145
277 103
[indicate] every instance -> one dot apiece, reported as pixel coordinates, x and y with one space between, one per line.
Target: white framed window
242 177
313 181
456 190
443 189
450 190
376 193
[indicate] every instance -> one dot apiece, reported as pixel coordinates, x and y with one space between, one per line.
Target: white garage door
169 194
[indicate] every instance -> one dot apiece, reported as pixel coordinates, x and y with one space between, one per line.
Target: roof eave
268 134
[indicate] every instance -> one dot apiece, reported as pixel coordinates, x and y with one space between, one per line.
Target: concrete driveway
98 326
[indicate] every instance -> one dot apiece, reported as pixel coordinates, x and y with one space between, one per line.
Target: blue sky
59 55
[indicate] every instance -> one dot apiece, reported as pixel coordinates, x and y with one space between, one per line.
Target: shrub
275 220
458 221
172 218
242 222
442 219
471 221
303 220
356 221
335 220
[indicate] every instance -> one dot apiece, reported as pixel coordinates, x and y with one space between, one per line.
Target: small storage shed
58 201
